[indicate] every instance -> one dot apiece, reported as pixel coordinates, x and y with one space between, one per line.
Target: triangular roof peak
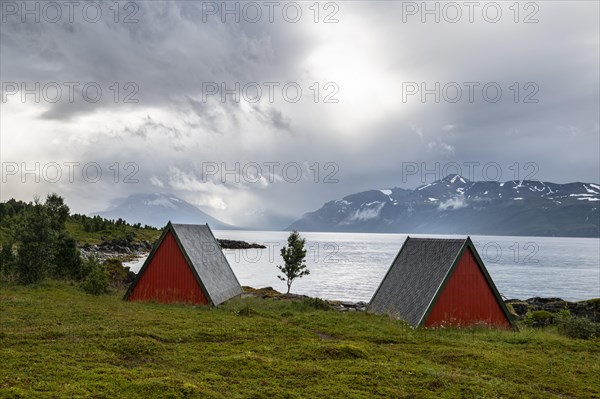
419 274
203 254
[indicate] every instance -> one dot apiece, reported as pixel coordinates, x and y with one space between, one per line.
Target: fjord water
350 266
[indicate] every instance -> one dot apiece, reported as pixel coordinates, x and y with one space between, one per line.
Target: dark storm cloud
279 120
371 134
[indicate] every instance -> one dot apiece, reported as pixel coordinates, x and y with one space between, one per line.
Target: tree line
36 244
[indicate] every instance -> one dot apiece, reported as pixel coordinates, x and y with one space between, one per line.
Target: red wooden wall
168 277
467 298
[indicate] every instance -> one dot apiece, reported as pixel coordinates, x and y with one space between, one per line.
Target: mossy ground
56 341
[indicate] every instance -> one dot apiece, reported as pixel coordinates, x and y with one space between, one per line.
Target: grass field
76 231
56 341
83 237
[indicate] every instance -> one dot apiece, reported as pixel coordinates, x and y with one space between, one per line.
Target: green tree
66 257
58 211
33 233
44 247
293 257
7 260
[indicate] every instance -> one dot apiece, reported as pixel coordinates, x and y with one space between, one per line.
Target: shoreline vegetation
56 340
116 241
127 251
130 243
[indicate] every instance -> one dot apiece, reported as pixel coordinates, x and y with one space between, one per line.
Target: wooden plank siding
168 278
467 299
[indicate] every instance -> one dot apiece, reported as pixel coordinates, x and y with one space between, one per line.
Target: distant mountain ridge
455 205
157 209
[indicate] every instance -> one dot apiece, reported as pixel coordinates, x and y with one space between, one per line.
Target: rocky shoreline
589 309
269 292
237 244
127 251
123 250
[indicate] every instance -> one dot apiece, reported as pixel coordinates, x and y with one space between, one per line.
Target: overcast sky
368 127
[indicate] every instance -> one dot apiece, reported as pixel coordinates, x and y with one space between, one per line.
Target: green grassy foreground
56 341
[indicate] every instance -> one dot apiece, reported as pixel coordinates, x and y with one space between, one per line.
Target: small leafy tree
57 210
67 258
293 256
96 282
44 247
33 232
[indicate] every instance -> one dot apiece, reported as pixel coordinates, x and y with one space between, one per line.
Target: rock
520 308
548 304
236 244
266 292
538 300
589 308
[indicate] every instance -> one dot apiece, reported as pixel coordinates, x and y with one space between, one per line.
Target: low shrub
96 282
316 303
539 318
118 276
578 328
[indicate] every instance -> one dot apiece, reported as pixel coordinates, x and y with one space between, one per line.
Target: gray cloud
173 130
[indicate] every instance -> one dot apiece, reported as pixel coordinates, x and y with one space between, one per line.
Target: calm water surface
350 266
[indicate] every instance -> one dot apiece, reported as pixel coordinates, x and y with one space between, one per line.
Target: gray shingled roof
203 251
415 277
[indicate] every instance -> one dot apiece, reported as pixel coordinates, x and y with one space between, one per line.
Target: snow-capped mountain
157 209
455 205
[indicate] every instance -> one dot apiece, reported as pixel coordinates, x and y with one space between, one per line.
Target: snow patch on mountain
457 177
453 203
365 213
592 191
